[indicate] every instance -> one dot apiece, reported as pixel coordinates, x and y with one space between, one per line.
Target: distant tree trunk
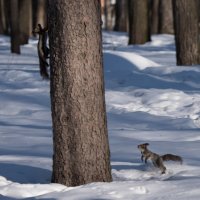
15 45
121 16
109 15
7 12
186 15
139 29
154 16
5 17
25 19
40 13
1 17
165 17
81 150
103 13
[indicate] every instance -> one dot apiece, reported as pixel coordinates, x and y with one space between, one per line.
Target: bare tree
154 6
25 19
139 24
186 14
81 150
165 17
109 10
39 13
121 16
5 17
1 17
15 45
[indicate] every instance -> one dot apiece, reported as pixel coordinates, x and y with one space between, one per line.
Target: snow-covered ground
149 99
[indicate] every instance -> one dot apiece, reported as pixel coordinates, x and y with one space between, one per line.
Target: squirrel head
143 147
39 30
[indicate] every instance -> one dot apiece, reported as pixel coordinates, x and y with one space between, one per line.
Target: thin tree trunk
6 16
154 16
81 150
165 17
103 13
25 18
186 15
121 16
109 12
139 29
15 46
40 13
1 17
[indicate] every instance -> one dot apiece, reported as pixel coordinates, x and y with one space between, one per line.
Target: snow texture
148 99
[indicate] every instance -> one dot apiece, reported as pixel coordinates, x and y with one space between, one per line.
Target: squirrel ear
146 144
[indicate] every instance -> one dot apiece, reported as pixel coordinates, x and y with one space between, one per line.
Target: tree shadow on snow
139 167
37 198
121 73
145 121
24 174
181 178
7 198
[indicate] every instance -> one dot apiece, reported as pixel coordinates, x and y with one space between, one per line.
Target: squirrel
156 159
43 50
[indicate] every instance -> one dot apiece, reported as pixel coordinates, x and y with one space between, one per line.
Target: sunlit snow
148 99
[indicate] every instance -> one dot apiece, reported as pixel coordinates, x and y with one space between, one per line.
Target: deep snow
149 99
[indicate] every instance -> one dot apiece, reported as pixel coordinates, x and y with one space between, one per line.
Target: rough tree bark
14 25
139 27
81 150
186 18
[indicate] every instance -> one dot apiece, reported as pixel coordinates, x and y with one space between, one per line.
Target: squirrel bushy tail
171 157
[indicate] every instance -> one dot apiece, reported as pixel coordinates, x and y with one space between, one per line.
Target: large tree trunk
121 16
15 45
165 17
81 150
186 30
25 18
139 27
